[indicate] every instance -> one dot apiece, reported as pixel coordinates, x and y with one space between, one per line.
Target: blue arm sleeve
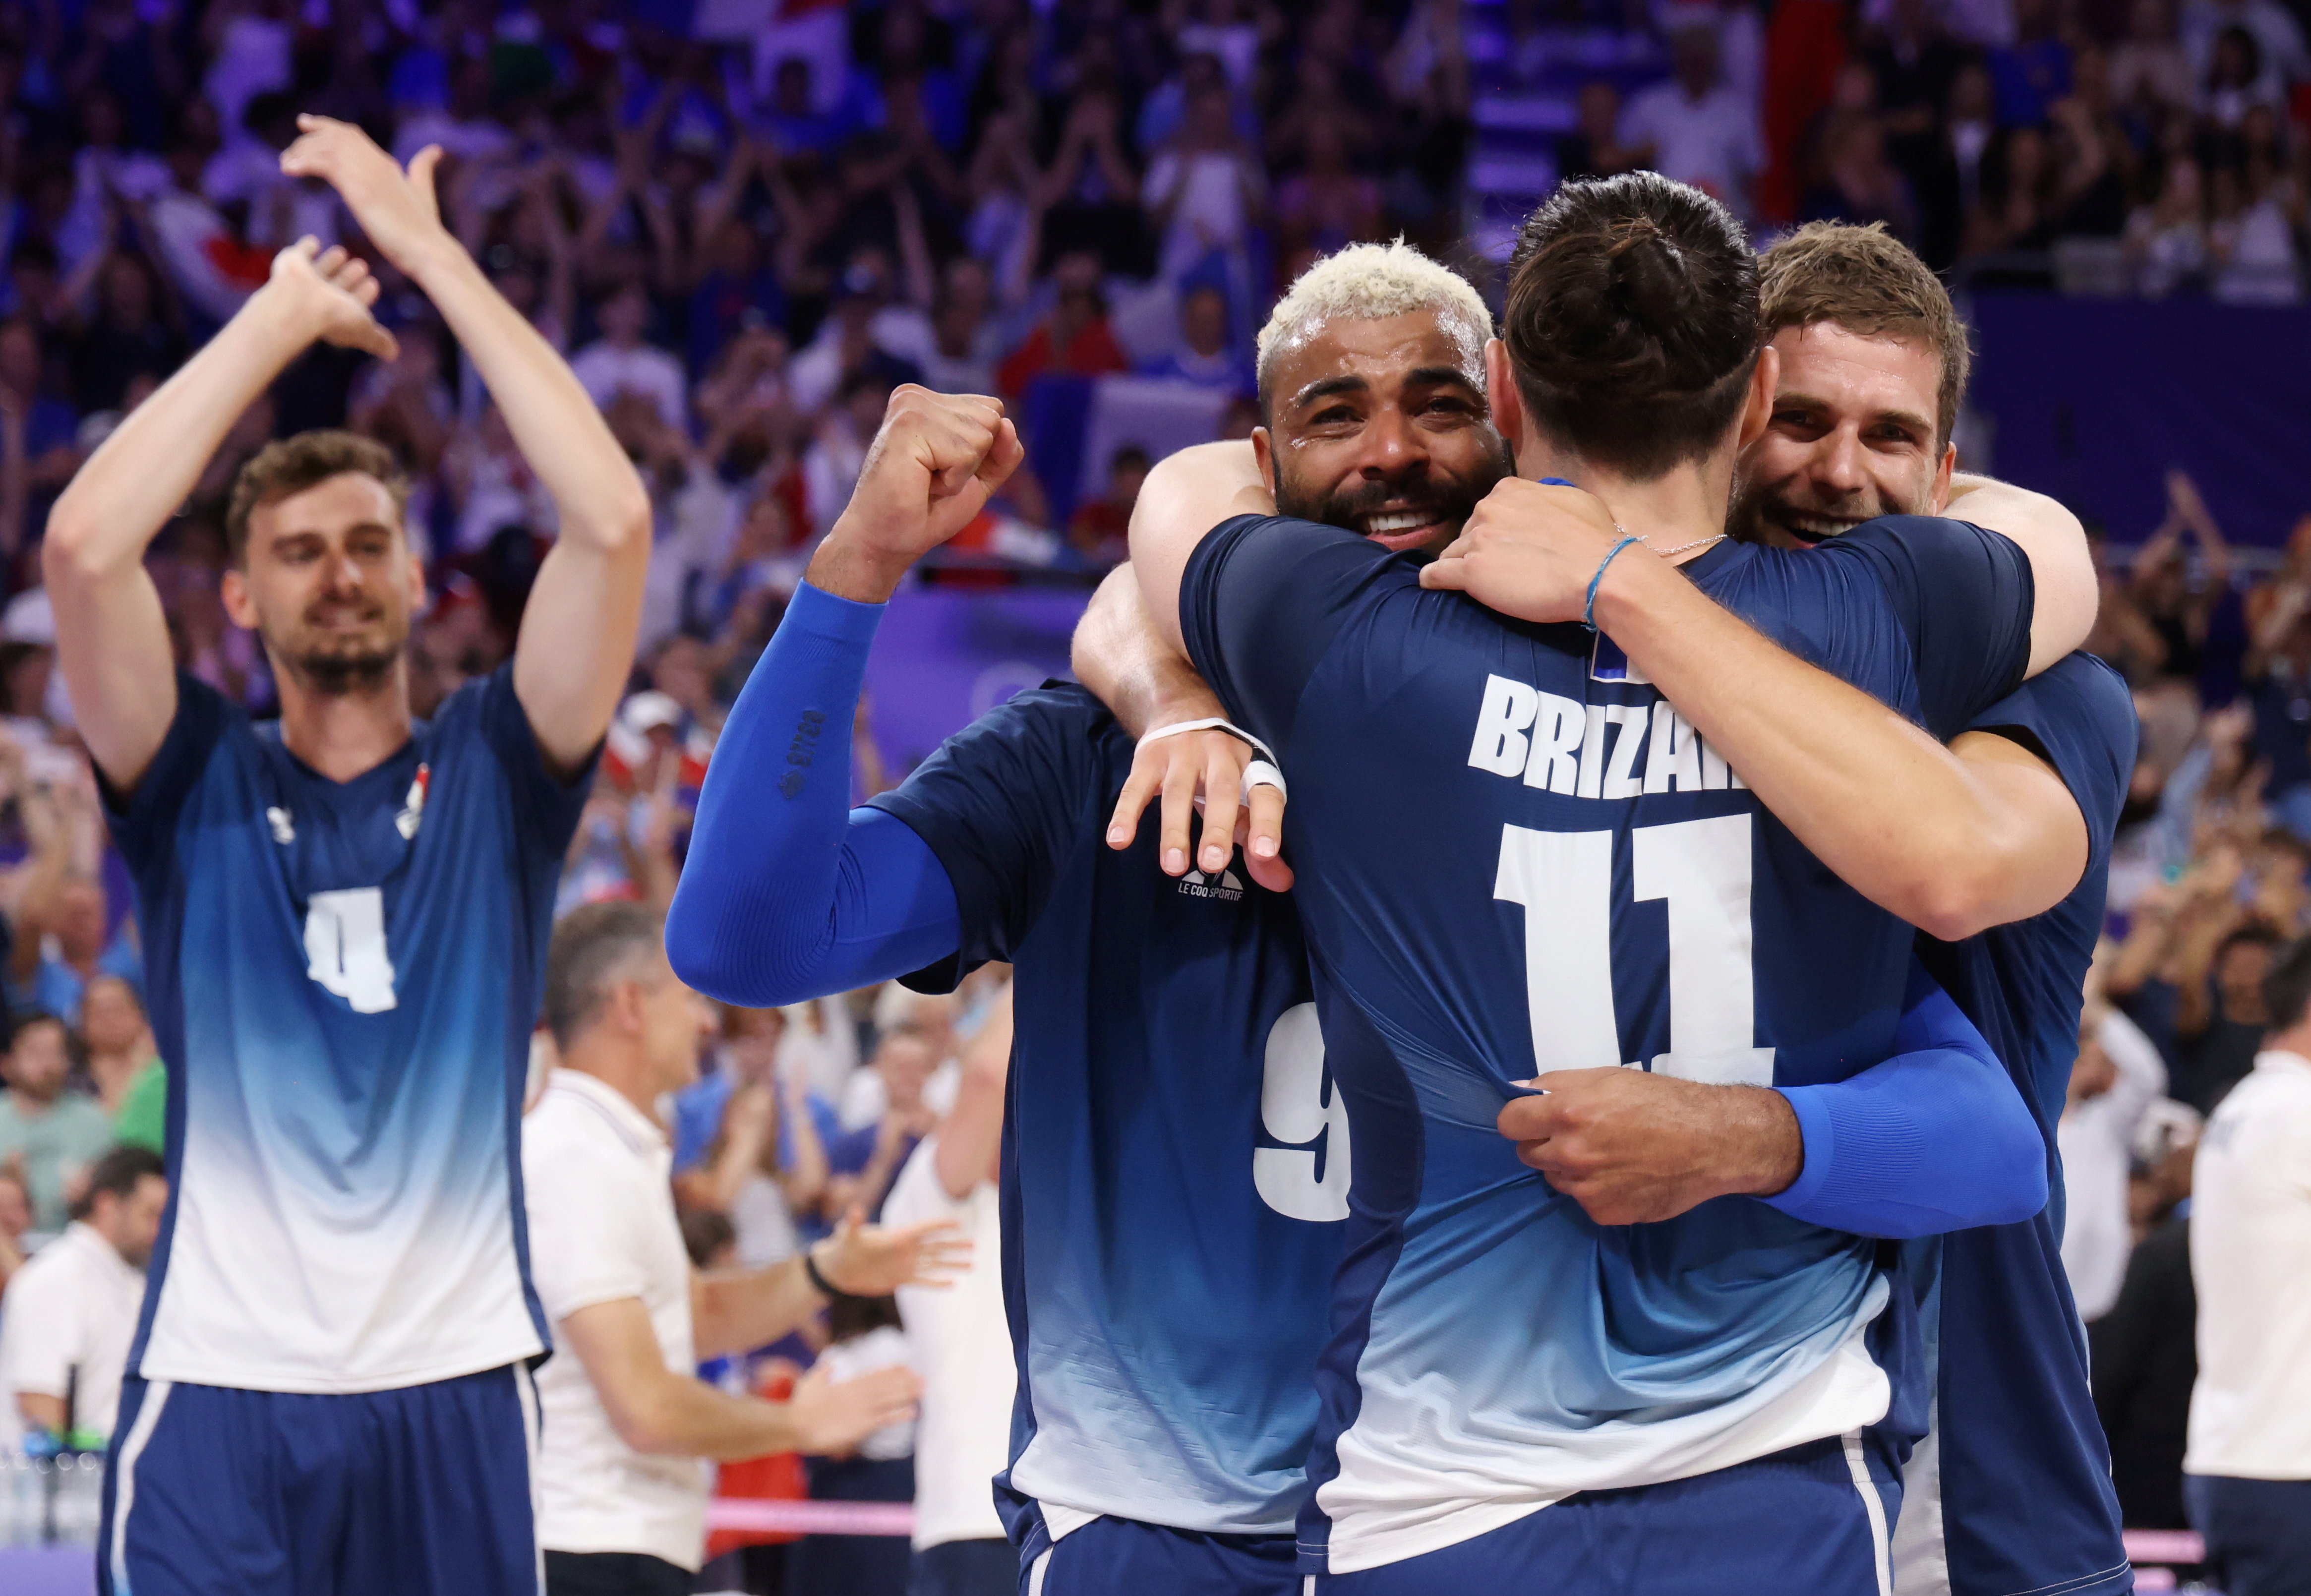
1935 1139
788 893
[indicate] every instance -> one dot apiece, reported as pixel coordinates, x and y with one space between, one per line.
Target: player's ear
1263 455
1757 414
1942 477
1501 395
232 587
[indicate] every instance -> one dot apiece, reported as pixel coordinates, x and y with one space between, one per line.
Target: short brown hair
1868 282
289 465
1631 321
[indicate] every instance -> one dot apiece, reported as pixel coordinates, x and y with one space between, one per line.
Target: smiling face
1854 436
328 582
1376 426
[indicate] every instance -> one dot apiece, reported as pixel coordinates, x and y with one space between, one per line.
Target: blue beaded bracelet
1589 609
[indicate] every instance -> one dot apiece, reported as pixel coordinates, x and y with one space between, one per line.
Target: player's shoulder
1059 715
1055 738
2079 694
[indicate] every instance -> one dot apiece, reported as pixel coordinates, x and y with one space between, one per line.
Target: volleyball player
345 918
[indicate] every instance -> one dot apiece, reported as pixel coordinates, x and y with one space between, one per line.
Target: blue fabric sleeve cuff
1817 1129
820 612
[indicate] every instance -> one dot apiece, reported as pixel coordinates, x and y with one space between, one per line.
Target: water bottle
80 1498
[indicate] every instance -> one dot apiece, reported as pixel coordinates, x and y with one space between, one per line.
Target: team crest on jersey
413 806
1227 887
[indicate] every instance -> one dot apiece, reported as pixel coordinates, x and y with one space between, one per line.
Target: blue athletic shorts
1813 1520
418 1492
1112 1556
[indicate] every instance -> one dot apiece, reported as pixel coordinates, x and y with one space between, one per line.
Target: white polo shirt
2251 1262
595 1174
960 1343
73 1307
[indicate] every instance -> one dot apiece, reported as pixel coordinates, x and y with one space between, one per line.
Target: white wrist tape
1210 723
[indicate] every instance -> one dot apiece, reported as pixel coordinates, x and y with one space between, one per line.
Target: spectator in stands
2167 238
76 918
2180 602
621 362
2277 36
2235 80
72 1310
48 1132
1206 188
127 336
2247 1474
2220 1018
766 1164
124 1063
621 1495
958 1339
1205 356
1099 529
2029 74
2148 71
1327 204
863 1161
2116 1077
1075 338
2145 1362
1593 149
1697 128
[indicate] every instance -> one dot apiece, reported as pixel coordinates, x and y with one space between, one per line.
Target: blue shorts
1112 1556
418 1492
2258 1532
1814 1519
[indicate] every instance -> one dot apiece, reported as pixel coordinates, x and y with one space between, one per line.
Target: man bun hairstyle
1868 282
289 465
1631 321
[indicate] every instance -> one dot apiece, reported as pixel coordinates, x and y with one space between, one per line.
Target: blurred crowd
2208 894
2103 146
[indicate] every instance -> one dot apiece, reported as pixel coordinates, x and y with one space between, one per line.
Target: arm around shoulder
2061 566
1184 497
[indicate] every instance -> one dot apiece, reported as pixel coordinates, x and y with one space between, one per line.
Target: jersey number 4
1702 871
344 947
1295 1107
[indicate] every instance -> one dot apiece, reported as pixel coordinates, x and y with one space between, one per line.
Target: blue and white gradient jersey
344 978
2013 1491
1514 855
1175 1158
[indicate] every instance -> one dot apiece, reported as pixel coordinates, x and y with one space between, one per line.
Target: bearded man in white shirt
71 1312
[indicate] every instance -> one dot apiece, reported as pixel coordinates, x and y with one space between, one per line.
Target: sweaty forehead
1826 363
1382 351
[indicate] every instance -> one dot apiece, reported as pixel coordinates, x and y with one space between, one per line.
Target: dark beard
346 675
1457 497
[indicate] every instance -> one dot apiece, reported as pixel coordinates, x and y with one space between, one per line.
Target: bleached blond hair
1367 282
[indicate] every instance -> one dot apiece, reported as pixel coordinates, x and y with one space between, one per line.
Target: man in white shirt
959 1341
2247 1475
1697 128
620 362
2117 1077
621 1484
71 1312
